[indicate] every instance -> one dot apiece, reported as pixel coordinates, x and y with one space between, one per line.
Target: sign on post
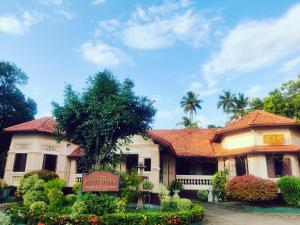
100 181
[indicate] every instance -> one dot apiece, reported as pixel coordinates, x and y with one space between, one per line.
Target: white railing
15 178
195 182
78 178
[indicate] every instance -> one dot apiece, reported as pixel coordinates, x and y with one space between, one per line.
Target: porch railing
78 178
195 182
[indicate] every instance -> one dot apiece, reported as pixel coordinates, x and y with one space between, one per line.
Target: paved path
216 215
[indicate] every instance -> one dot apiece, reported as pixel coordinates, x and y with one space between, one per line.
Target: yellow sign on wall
274 139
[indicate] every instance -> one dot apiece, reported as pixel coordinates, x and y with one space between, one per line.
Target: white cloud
167 114
161 26
52 2
254 45
98 2
14 25
198 88
107 27
195 86
102 54
67 14
253 91
291 65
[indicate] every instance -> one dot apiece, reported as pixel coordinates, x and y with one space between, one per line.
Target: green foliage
15 108
79 207
103 117
190 103
241 103
290 189
219 181
251 189
56 198
70 199
76 187
176 186
5 219
184 204
226 102
129 185
202 195
256 104
32 183
56 183
33 196
42 174
175 203
164 193
121 204
39 207
148 185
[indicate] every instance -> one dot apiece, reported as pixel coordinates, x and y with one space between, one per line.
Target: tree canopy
14 106
103 117
190 104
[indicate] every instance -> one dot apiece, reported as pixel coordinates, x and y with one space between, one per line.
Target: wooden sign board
274 139
100 181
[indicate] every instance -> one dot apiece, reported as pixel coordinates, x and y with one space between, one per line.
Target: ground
216 215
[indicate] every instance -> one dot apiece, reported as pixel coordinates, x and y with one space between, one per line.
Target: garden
43 199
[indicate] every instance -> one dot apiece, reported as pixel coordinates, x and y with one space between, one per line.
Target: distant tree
187 123
190 103
240 106
14 106
256 103
210 126
103 117
226 102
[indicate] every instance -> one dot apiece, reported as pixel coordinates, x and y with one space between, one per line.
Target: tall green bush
42 174
290 189
5 219
219 181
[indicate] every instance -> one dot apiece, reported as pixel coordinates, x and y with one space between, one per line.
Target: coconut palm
187 123
190 103
226 102
240 106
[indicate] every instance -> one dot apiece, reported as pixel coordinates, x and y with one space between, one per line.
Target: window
81 166
241 165
147 164
278 166
132 162
20 162
50 162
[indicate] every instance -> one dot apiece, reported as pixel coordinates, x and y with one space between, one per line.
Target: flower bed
180 217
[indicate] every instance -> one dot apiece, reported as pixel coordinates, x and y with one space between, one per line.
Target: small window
147 164
241 165
81 166
20 162
132 162
50 162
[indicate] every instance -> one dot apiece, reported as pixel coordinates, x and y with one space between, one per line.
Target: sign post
100 181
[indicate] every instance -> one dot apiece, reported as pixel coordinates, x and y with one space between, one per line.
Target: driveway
216 215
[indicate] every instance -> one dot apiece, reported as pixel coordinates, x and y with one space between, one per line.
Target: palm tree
187 123
190 103
226 101
240 106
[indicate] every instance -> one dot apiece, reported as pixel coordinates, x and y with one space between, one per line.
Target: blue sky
166 47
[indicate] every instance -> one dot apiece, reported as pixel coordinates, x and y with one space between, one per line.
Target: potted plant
176 187
147 185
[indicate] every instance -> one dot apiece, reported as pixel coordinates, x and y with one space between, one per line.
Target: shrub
219 181
202 195
42 174
129 183
76 187
5 219
290 188
176 186
148 185
55 198
170 204
70 199
184 204
38 207
164 192
56 183
79 207
30 183
121 204
251 189
33 196
2 184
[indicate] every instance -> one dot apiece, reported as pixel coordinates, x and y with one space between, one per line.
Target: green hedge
290 188
184 217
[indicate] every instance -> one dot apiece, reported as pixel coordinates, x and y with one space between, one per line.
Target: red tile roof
78 152
186 142
43 125
258 118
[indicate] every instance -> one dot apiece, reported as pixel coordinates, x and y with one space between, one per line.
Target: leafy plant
219 181
56 183
176 186
5 219
202 195
79 207
70 199
148 185
55 198
251 189
76 187
290 189
42 174
184 204
33 196
38 207
2 184
164 193
129 185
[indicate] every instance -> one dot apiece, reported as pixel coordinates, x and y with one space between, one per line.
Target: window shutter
287 169
270 167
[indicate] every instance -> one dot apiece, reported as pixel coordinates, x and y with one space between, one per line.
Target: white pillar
294 164
230 165
257 166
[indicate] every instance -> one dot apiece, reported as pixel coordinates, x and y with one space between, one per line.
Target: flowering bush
252 189
290 188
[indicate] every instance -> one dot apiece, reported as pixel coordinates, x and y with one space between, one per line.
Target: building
262 144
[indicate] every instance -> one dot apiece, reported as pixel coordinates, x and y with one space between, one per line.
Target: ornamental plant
129 185
219 181
38 207
290 189
42 174
176 186
5 219
251 189
148 185
202 195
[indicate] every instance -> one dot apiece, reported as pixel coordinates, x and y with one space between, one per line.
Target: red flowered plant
251 189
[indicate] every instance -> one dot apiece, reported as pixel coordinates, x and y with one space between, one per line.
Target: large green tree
187 123
226 102
103 117
241 103
191 103
256 104
14 106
